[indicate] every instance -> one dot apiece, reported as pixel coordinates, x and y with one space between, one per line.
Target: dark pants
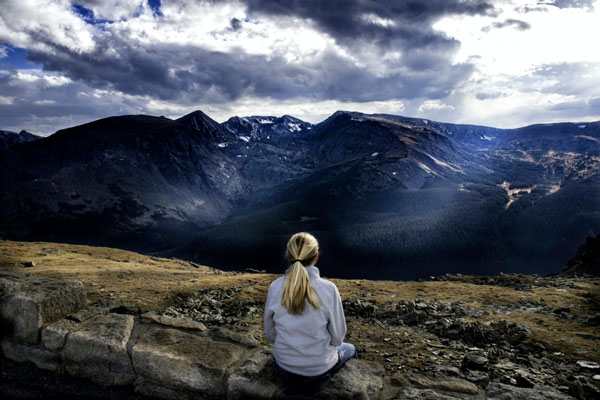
345 351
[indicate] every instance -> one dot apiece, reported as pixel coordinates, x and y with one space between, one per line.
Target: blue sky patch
155 6
88 15
17 58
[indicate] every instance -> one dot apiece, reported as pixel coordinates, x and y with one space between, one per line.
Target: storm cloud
117 60
147 56
404 23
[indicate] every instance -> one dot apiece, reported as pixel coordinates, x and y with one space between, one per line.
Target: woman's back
304 316
306 343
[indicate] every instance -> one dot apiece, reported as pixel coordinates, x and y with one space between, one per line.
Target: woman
304 316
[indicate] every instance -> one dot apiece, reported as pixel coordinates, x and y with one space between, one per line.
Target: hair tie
296 260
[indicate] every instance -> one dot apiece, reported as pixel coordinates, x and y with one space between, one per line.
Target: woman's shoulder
327 285
277 283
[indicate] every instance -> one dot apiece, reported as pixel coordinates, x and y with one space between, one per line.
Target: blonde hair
301 249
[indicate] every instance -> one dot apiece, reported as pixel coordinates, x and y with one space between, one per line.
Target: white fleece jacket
306 344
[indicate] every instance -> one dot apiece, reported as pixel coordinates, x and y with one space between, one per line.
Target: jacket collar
313 271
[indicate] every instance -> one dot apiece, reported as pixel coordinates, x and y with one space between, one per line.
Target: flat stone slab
42 358
44 300
97 350
55 334
414 385
181 360
255 378
9 284
182 323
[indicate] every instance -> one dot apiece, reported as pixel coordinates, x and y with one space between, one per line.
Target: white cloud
377 20
42 24
434 105
519 75
114 10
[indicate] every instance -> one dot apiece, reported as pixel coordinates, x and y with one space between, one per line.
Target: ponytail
297 290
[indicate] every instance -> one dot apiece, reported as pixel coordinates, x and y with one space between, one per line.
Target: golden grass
154 283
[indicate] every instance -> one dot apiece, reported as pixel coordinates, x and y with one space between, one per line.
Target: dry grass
155 283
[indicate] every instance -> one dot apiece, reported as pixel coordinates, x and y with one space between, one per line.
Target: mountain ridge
389 190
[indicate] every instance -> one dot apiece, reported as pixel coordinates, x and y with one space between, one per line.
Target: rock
28 264
357 379
97 350
480 378
561 310
474 362
42 358
255 271
255 378
523 381
227 334
421 394
435 382
180 322
501 391
10 285
588 365
88 312
596 377
54 335
22 314
183 360
449 369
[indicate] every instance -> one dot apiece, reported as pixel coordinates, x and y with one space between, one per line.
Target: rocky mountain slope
7 138
455 337
141 181
408 197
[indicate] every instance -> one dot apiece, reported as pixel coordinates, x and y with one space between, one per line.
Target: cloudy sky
492 62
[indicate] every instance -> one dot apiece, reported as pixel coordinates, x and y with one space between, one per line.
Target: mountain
388 197
587 260
392 197
8 138
141 181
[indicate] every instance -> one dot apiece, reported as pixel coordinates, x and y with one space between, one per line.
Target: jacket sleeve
337 321
269 323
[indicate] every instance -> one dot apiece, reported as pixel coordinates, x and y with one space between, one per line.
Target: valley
408 197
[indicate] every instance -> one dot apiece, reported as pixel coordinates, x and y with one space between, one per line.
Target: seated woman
304 317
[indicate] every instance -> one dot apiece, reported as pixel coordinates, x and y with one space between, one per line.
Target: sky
498 63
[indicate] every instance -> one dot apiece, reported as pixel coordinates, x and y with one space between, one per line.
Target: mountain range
388 197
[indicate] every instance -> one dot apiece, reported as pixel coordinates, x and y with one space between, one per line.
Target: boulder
255 378
184 361
42 358
245 340
500 391
10 284
97 350
88 312
412 393
54 335
438 382
181 322
46 300
474 362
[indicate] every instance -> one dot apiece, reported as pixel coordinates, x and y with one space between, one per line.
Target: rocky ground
522 331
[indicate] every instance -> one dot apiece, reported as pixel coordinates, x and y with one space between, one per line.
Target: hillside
521 330
409 197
